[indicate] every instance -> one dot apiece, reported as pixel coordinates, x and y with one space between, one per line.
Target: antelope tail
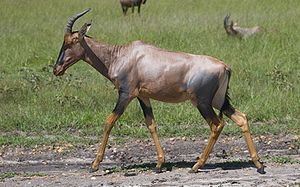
226 103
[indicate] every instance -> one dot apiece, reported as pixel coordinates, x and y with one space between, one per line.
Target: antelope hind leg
240 119
216 126
150 122
216 130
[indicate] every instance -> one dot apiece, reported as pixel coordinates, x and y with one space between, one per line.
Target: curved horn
226 21
228 26
73 19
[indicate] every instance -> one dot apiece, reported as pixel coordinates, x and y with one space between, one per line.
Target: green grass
34 103
282 159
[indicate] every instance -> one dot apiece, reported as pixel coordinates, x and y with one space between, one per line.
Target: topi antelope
125 4
145 72
233 30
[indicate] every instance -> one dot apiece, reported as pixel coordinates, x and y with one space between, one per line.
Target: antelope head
228 26
71 51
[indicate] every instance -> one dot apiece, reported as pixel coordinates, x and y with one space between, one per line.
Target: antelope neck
96 62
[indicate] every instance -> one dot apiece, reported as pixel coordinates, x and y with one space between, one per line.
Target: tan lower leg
241 120
159 150
251 146
216 130
107 128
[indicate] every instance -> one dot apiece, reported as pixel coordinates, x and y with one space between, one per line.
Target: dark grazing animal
125 4
143 71
233 30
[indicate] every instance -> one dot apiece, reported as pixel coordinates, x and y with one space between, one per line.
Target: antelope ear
84 29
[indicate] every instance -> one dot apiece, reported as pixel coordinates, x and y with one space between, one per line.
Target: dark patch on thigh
147 110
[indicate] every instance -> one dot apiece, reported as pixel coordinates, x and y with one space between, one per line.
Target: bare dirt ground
130 164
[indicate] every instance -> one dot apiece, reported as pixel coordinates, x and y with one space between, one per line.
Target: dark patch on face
61 55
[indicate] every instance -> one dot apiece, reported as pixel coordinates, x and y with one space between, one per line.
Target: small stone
269 142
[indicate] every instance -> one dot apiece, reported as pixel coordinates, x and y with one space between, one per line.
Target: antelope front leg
122 103
139 9
150 122
107 128
132 7
124 9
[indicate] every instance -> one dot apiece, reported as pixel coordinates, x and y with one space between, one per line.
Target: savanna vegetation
38 108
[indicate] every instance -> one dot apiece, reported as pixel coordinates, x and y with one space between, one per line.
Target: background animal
125 4
233 30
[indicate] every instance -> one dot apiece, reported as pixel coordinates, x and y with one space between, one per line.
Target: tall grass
35 103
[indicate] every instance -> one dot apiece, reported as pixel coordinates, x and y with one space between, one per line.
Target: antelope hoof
93 168
193 171
157 170
261 170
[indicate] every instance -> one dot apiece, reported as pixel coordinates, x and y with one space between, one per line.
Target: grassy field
39 108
